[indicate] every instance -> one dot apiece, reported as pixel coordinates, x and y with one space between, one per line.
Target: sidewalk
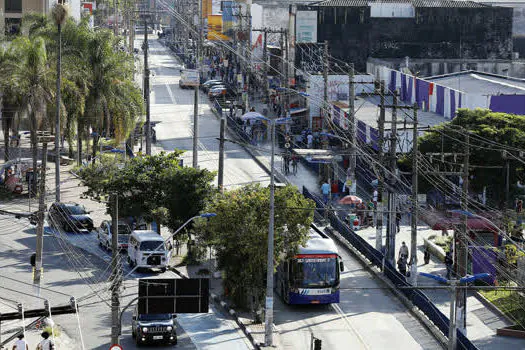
482 322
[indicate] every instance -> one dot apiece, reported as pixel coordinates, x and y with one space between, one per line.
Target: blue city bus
312 276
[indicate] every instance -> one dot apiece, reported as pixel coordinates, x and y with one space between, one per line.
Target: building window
13 6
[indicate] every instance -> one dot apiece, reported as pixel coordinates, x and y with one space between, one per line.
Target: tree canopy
490 133
154 187
239 234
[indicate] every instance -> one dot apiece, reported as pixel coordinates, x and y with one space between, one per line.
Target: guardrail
417 297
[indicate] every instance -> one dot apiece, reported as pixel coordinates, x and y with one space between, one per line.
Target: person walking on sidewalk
21 344
449 262
426 255
403 250
294 163
46 343
402 265
325 190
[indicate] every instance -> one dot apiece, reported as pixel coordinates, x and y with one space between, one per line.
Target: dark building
420 29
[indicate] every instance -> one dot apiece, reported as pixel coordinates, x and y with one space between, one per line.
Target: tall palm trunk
34 151
6 128
79 144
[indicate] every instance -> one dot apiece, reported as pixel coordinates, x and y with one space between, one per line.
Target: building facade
424 29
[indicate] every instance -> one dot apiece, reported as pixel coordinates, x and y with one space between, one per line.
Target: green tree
154 187
239 234
486 159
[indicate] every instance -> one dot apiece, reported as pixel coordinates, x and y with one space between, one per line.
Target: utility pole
352 128
220 176
392 198
265 67
57 119
196 91
286 58
325 91
248 52
41 210
415 204
116 275
146 87
462 244
380 175
115 3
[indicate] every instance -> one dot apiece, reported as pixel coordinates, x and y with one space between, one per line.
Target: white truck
189 78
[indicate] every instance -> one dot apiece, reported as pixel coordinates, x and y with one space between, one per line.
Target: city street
365 319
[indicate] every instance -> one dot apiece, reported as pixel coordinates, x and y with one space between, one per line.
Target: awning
298 110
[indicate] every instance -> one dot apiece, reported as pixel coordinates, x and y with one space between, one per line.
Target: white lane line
170 93
349 324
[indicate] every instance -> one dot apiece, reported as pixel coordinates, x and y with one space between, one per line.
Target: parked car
105 235
217 91
212 85
207 83
153 328
71 217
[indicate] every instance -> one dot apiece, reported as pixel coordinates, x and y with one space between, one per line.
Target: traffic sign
115 347
287 145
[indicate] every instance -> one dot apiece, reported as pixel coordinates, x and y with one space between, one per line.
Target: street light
269 272
453 284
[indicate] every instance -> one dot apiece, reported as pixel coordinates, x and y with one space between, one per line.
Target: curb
233 314
493 307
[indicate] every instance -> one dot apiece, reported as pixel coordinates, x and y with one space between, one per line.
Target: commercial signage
306 27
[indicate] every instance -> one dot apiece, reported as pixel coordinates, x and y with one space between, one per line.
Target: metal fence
418 298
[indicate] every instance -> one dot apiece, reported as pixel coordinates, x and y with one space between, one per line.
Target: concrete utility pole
147 87
265 67
380 175
286 59
415 204
57 119
462 246
116 274
352 128
325 90
392 197
41 213
198 54
220 176
268 322
248 52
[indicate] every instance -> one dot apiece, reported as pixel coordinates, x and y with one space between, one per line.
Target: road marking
349 324
170 93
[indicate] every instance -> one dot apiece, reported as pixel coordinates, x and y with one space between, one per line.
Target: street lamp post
452 331
268 319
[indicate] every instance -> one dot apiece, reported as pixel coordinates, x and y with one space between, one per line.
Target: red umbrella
350 200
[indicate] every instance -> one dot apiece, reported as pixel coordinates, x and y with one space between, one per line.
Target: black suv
71 217
153 328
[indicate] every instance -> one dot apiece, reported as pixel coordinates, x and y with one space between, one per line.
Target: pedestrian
310 140
403 250
46 343
426 256
398 221
325 190
294 163
449 262
334 189
286 160
21 344
375 197
402 265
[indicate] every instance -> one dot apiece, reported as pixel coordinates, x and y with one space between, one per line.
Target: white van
146 249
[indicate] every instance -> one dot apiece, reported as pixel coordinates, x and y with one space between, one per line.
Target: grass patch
509 302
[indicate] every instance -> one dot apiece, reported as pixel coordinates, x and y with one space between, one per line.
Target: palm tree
32 79
9 99
112 93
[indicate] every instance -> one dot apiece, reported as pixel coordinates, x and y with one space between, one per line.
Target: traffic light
317 344
32 260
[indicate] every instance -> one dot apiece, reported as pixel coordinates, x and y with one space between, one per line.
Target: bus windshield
311 272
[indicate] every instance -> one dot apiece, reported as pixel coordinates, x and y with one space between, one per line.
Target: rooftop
474 82
415 3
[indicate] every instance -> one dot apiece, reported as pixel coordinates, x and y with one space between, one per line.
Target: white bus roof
147 235
318 244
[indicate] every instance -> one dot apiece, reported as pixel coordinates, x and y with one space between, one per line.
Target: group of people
45 343
287 159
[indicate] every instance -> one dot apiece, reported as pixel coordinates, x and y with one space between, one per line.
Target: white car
105 236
